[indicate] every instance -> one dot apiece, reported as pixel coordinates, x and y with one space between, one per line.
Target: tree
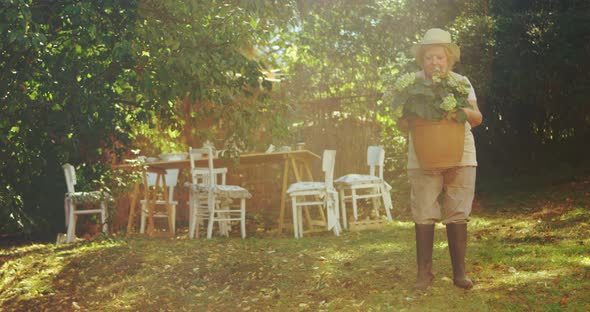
78 78
537 115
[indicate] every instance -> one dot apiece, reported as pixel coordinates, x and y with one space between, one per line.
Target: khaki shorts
442 194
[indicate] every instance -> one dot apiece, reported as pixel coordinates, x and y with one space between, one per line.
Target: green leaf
461 116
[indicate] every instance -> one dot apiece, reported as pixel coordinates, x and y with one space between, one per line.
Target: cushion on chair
89 197
306 186
355 179
231 191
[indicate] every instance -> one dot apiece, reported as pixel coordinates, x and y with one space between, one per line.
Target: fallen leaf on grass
563 300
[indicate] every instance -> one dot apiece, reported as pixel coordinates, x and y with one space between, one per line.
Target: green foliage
57 87
79 79
531 83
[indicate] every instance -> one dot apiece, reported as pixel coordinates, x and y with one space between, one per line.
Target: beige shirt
469 156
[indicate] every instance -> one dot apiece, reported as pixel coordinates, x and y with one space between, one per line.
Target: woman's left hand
474 116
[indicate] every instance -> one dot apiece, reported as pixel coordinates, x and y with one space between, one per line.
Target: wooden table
297 162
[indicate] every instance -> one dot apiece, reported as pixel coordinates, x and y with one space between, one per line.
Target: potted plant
172 151
437 122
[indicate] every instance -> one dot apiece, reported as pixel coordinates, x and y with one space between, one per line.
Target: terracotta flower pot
438 144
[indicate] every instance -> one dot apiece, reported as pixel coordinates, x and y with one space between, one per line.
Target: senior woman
442 194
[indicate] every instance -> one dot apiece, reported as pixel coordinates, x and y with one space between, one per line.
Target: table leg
134 196
295 169
151 202
307 170
283 194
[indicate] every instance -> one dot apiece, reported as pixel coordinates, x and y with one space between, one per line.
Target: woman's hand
474 116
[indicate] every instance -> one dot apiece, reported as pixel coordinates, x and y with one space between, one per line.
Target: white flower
449 103
437 75
460 86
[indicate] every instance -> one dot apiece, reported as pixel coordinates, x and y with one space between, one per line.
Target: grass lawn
528 251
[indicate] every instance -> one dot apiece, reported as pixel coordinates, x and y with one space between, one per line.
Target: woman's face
435 58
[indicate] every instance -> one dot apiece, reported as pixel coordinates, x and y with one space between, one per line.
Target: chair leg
191 207
197 221
386 202
321 211
72 225
337 215
376 201
192 217
300 220
334 198
103 218
343 207
198 228
295 223
243 216
210 225
212 215
354 205
224 226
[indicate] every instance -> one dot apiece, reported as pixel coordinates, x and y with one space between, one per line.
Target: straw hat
437 36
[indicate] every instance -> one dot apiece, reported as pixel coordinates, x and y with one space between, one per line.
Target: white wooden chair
171 177
220 197
73 200
355 187
319 194
198 201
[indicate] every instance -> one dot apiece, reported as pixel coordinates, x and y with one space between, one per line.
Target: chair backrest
375 158
328 160
202 175
70 173
171 180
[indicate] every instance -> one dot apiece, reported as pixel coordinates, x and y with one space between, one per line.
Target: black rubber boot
424 241
457 237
